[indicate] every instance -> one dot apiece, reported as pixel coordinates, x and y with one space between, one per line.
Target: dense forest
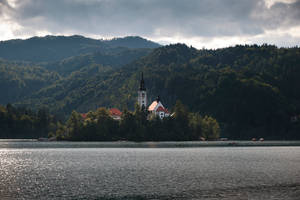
251 90
26 123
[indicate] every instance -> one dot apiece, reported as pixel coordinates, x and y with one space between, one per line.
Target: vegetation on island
137 126
251 90
100 126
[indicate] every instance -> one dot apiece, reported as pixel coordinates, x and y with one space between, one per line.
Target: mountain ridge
54 48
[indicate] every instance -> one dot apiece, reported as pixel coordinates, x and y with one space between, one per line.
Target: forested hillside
19 80
115 58
55 48
31 64
253 91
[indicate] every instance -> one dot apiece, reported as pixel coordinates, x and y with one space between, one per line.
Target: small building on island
83 116
115 113
156 108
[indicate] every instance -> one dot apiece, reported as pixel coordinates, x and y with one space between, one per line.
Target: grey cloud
3 3
285 41
4 7
278 15
205 18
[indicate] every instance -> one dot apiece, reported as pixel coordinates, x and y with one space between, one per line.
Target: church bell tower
142 94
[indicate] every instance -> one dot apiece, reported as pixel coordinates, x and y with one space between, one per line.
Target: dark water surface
64 170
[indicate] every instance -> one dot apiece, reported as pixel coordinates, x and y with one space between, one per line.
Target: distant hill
132 42
55 48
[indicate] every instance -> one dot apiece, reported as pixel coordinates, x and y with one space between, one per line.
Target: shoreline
34 143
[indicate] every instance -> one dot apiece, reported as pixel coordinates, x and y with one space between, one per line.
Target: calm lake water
66 170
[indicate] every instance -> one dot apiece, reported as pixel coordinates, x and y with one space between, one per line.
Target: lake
124 170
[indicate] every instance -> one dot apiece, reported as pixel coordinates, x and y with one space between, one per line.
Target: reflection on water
148 173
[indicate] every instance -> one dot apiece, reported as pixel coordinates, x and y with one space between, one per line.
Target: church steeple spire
142 95
142 83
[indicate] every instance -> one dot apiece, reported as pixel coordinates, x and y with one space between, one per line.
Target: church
156 108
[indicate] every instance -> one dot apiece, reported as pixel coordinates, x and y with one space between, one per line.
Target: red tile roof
115 112
161 109
83 115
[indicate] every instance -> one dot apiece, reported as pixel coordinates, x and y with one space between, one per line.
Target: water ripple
150 173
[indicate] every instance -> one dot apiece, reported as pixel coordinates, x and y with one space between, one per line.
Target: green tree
107 128
181 122
195 124
128 126
210 128
74 126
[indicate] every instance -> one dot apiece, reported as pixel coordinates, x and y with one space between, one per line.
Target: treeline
22 123
137 126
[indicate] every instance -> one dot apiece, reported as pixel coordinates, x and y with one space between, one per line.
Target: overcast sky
200 23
